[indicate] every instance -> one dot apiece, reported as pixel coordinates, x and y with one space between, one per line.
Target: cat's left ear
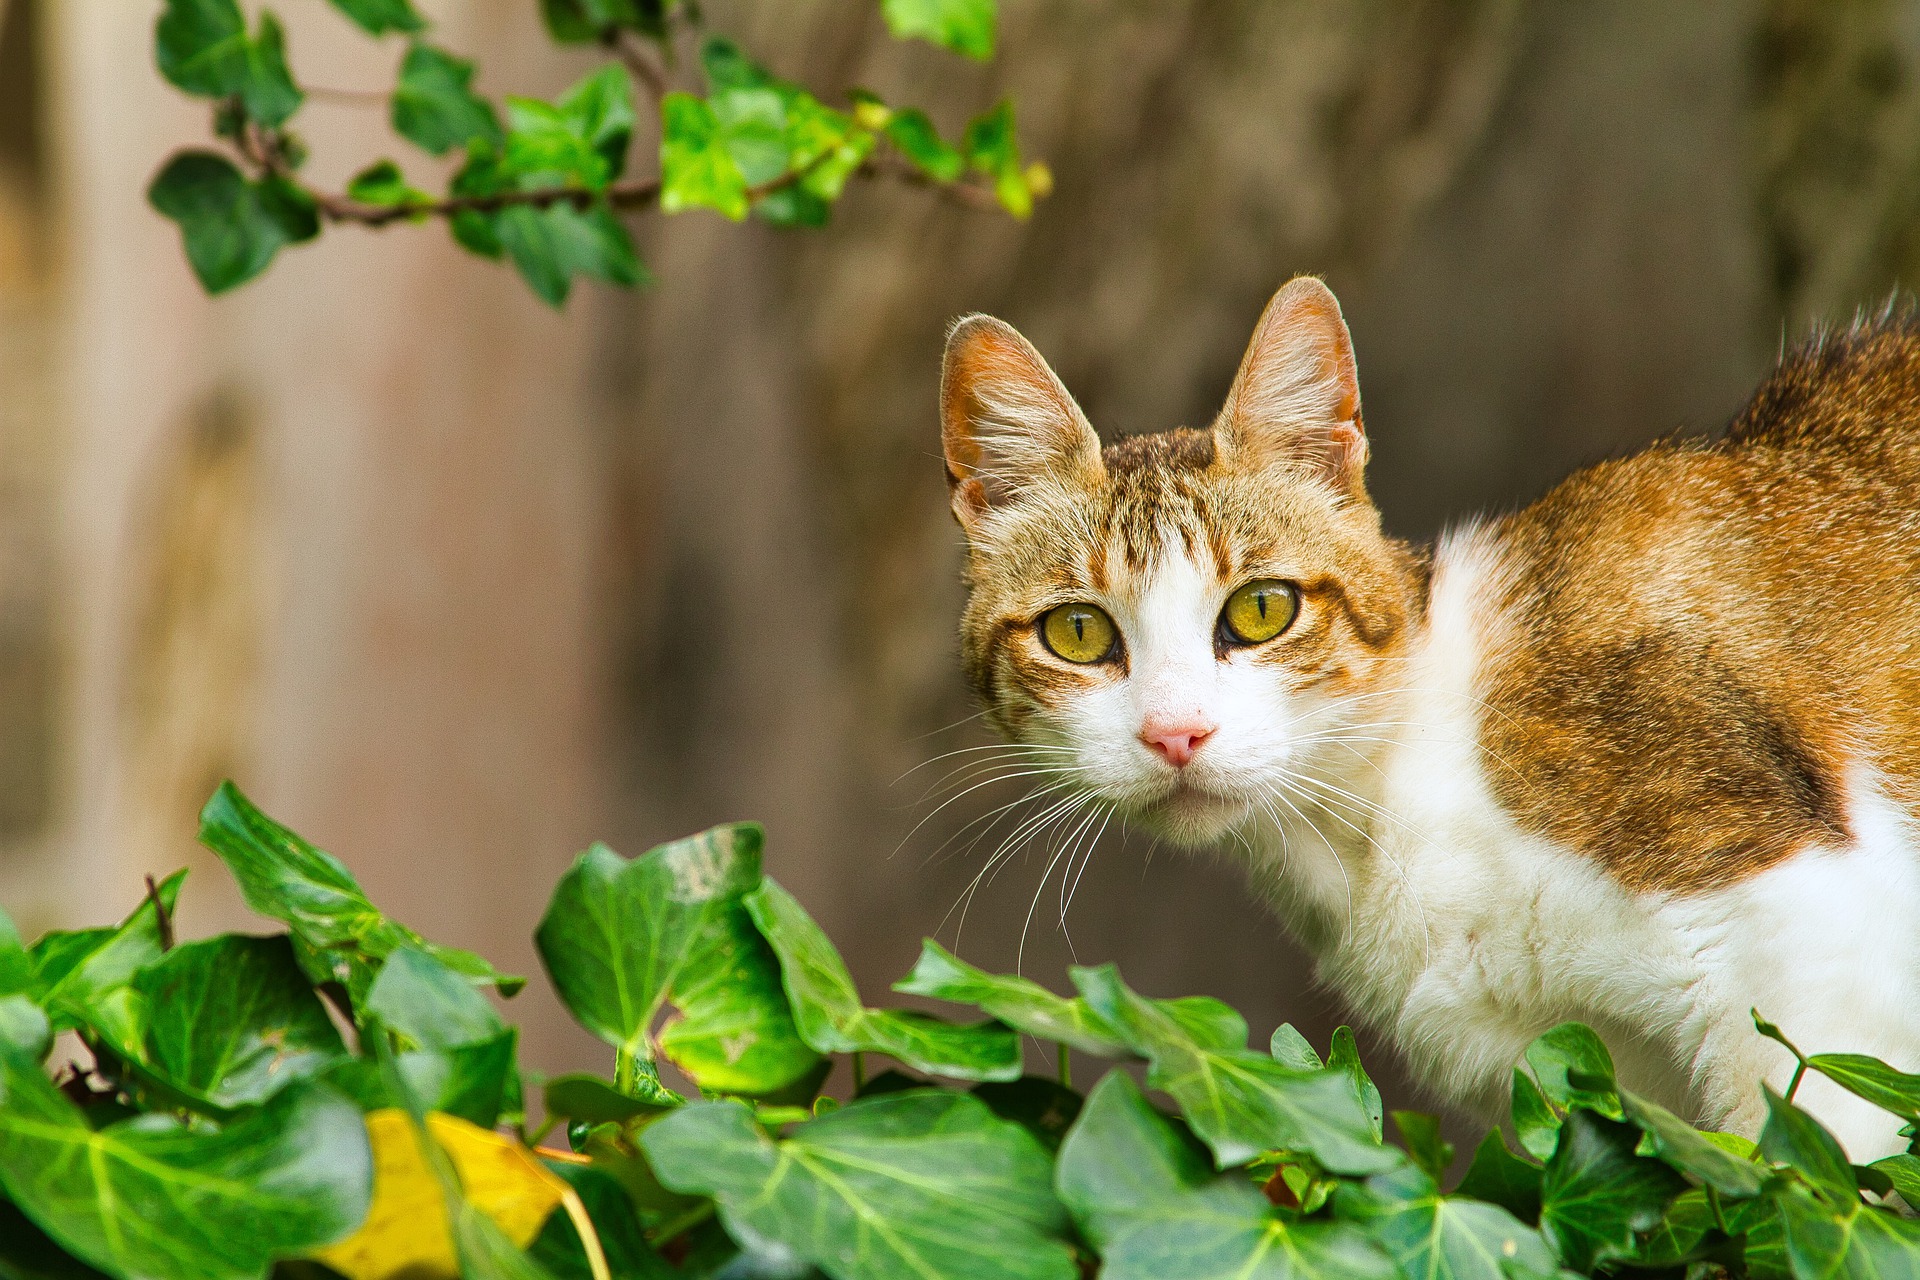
1296 400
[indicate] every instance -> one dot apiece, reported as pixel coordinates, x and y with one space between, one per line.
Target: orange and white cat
1644 754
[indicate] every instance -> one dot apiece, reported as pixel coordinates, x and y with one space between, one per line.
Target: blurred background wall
454 584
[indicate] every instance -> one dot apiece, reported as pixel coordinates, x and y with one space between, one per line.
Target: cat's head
1179 621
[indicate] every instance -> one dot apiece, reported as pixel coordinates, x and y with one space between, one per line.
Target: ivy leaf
1575 1070
148 1197
1855 1241
434 108
964 26
829 1013
1443 1238
231 228
1872 1079
84 978
1292 1050
591 1100
27 1254
430 1004
1795 1139
1597 1193
1420 1134
629 1256
1692 1152
1498 1176
382 183
1021 1003
622 939
201 46
913 134
1147 1199
993 149
474 1081
1239 1102
1534 1121
926 1184
233 1021
338 933
697 169
412 1229
24 1028
1903 1171
377 17
1343 1054
552 245
16 966
1044 1108
586 21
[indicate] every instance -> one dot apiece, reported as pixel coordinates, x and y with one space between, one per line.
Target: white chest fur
1461 937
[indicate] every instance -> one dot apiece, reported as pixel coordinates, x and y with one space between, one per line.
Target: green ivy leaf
913 135
1825 1241
1292 1050
697 169
1575 1070
1420 1134
622 939
1500 1177
629 1256
429 1003
338 933
232 1020
85 978
1903 1171
16 966
475 1081
1147 1199
586 21
992 148
201 46
1534 1120
433 106
925 1184
1044 1108
1872 1079
591 1100
1692 1152
1021 1003
147 1197
1597 1193
1442 1238
828 1010
1795 1139
27 1254
1239 1102
25 1029
1343 1054
377 17
964 26
382 183
231 227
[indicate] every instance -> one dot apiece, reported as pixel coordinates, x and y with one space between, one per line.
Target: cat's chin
1192 816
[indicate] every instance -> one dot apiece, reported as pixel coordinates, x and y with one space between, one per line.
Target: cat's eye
1259 611
1079 632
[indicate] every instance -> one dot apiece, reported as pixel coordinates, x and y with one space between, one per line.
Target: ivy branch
545 188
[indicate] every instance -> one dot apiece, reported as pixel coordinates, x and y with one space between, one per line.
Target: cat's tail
1852 394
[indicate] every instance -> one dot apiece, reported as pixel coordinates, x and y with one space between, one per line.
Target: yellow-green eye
1260 610
1079 632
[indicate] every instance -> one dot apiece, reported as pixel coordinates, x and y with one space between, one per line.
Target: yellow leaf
406 1229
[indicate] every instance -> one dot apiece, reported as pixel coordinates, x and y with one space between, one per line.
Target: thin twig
642 61
351 97
163 919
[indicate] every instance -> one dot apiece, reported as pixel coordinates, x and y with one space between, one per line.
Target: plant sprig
545 184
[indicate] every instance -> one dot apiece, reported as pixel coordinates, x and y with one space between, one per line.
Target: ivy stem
1066 1065
1793 1085
589 1238
859 1073
1719 1216
626 1071
163 920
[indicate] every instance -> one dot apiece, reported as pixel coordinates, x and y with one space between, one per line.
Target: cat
1644 754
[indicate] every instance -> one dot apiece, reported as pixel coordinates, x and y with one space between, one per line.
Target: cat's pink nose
1175 740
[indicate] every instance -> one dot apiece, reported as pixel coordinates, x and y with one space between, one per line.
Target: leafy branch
544 184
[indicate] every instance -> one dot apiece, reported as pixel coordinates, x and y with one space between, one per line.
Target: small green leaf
1903 1171
1828 1241
623 939
1420 1133
434 108
585 21
913 134
474 1081
1534 1121
233 1021
1872 1079
1795 1139
964 26
201 46
1692 1152
429 1003
1021 1003
1442 1238
924 1184
828 1010
1045 1108
992 147
147 1197
1146 1197
594 1101
340 935
1597 1193
1239 1102
1343 1054
377 17
231 228
1500 1177
382 183
85 978
25 1029
1575 1070
1292 1050
697 170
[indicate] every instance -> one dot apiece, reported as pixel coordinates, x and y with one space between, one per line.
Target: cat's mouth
1194 814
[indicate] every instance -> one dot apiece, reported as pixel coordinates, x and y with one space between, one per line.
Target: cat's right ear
1006 420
